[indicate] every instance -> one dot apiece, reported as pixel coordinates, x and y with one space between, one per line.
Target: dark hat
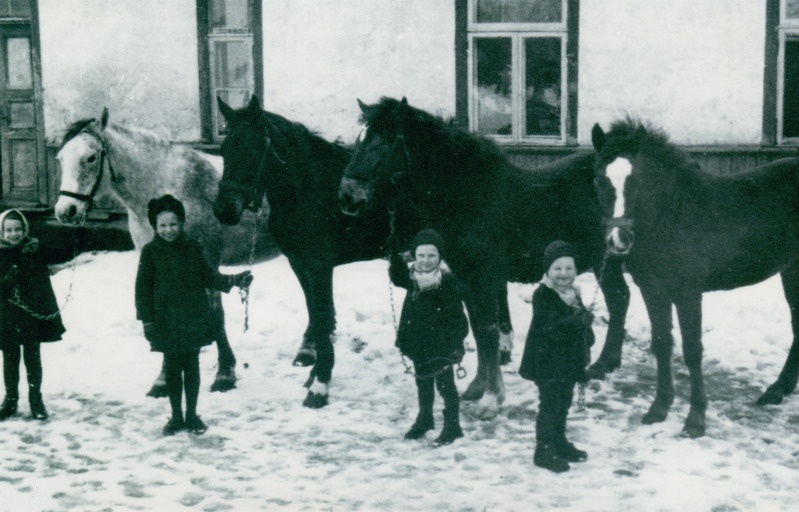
166 203
557 249
428 236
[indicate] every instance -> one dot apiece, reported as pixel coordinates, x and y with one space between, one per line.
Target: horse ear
227 112
254 104
597 137
104 118
362 106
403 107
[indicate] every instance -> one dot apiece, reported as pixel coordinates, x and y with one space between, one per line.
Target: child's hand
31 246
242 280
149 331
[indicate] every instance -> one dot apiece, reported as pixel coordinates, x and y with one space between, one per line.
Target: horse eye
91 158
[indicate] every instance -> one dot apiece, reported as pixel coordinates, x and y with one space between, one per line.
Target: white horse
134 166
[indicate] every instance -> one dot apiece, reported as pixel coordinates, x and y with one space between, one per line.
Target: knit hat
166 203
555 250
428 236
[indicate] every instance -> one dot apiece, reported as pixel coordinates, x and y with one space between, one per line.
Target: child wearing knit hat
431 331
556 354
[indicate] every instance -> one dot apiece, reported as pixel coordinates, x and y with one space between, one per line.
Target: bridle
89 198
253 198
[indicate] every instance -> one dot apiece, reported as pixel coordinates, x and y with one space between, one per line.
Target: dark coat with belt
558 343
432 325
28 306
171 285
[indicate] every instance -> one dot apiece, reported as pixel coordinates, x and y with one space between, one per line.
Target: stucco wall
322 55
693 67
137 57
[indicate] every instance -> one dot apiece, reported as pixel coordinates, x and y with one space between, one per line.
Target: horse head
82 157
380 158
615 186
245 151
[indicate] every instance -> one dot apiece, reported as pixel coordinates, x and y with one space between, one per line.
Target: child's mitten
242 279
149 331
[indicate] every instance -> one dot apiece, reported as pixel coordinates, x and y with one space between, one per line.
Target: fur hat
558 249
166 203
428 236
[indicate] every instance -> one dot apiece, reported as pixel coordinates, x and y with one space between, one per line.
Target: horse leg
306 354
487 386
321 326
786 382
226 362
658 307
506 333
617 298
689 315
158 389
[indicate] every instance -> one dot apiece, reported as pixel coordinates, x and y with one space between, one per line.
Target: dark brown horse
299 172
683 232
496 219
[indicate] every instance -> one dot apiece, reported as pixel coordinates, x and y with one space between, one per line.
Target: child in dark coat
556 354
172 303
431 332
29 312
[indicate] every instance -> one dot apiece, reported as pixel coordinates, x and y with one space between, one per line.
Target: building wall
692 67
136 57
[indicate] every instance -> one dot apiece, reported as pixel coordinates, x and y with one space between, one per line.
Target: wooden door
22 161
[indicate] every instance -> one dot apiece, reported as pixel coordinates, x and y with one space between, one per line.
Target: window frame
468 30
786 29
209 111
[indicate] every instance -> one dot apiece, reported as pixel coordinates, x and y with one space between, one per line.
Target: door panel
23 176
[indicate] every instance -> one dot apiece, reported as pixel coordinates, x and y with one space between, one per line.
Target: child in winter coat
172 303
431 331
29 312
555 355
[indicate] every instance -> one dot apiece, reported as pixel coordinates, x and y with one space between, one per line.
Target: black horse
299 172
683 232
496 219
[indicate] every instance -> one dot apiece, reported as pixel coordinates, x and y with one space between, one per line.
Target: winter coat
432 324
30 287
171 285
558 343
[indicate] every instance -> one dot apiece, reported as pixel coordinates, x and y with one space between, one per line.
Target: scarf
570 295
427 280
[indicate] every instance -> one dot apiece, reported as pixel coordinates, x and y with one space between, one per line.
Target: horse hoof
487 408
304 359
504 357
598 371
772 396
223 385
315 401
693 431
652 417
157 391
472 394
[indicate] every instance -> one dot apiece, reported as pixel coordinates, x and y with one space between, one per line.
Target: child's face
427 257
168 226
13 231
562 271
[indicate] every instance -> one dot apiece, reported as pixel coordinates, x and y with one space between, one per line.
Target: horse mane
630 136
484 155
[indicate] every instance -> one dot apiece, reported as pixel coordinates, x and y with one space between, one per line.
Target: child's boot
38 410
424 422
568 452
174 425
9 407
547 457
194 424
452 426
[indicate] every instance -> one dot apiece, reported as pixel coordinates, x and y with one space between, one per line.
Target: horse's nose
620 240
226 212
349 202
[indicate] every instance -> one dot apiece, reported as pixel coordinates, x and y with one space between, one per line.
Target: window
521 67
230 58
788 73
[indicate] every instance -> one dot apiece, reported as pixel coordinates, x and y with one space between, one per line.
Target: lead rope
599 275
244 292
16 298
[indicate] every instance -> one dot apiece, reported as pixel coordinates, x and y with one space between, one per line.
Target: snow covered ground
102 448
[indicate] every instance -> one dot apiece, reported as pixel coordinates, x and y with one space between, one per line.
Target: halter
89 198
254 203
